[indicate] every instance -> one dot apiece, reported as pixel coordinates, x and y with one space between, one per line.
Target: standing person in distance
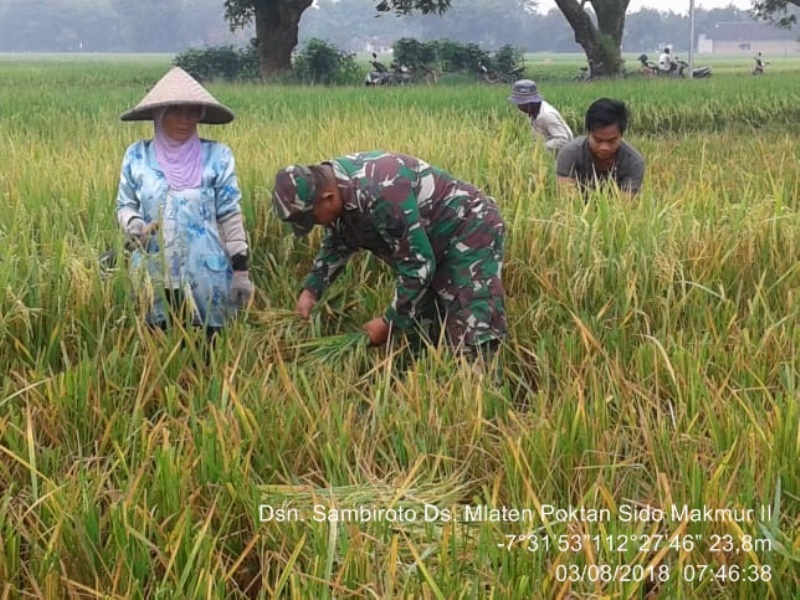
760 64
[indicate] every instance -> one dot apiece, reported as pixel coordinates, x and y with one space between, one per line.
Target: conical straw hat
175 88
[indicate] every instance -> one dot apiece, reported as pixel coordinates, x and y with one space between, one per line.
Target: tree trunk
277 24
600 42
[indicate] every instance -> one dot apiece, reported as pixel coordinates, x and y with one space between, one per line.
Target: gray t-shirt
575 161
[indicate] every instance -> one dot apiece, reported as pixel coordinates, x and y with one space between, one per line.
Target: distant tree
350 24
599 34
776 10
643 30
550 33
54 26
151 25
489 23
647 28
277 23
110 25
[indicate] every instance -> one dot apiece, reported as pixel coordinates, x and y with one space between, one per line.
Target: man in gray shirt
602 155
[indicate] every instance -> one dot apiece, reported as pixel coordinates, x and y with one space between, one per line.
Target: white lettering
645 514
706 514
267 513
435 514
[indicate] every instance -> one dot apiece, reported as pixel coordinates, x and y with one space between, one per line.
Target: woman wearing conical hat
178 204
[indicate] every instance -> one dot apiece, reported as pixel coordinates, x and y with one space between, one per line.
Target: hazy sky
678 6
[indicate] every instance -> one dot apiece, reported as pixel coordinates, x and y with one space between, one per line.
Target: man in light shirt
665 62
545 120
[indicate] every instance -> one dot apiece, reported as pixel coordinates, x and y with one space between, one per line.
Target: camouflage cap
293 198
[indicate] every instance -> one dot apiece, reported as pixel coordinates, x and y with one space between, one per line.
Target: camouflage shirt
404 211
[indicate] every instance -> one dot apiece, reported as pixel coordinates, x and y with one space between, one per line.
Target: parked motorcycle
678 68
697 72
382 76
596 70
490 76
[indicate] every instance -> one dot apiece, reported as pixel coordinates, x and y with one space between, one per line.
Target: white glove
138 232
135 232
242 289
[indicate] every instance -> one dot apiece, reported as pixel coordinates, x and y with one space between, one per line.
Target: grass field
653 362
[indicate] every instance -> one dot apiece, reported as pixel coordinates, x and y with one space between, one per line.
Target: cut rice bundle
333 348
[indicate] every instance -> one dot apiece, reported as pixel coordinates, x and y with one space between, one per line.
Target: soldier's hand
305 303
378 331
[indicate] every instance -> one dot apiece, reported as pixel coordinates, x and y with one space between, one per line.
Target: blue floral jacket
187 252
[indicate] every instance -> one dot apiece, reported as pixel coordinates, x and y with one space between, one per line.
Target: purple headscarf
182 162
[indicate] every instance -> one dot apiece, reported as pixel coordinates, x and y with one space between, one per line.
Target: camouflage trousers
464 303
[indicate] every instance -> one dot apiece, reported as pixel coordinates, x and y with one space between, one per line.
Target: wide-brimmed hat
524 91
178 88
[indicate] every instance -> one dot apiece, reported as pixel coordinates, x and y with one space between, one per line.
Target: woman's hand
242 289
139 232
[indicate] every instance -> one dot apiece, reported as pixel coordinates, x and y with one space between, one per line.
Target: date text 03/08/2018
594 573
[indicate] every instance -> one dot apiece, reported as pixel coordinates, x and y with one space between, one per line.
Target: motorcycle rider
665 63
647 67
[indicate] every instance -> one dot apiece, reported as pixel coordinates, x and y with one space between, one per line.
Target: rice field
645 442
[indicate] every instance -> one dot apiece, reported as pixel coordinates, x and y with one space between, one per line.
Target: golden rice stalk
275 318
378 493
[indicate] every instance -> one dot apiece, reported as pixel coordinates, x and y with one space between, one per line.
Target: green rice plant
333 349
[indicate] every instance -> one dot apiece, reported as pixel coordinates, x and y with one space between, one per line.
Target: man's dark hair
605 112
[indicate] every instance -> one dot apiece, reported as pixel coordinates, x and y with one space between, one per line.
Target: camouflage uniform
443 238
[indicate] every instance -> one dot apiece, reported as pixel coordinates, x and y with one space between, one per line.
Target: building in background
747 38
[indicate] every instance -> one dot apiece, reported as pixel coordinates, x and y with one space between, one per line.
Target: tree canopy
173 25
777 11
240 13
278 21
